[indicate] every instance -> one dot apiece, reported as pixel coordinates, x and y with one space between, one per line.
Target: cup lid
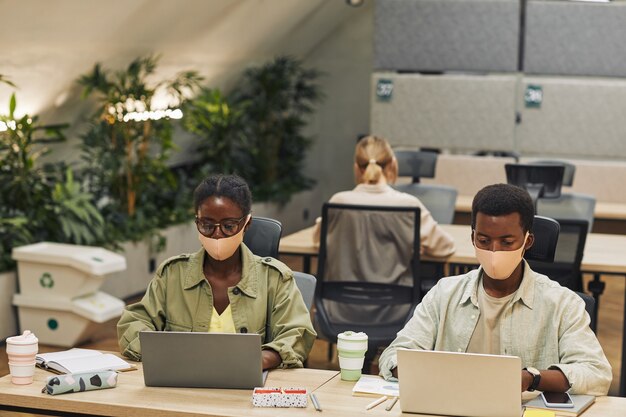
26 338
350 335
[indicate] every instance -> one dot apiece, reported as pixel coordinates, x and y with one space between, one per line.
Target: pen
377 402
316 403
390 406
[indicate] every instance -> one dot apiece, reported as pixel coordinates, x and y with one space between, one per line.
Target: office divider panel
458 112
581 117
575 38
446 35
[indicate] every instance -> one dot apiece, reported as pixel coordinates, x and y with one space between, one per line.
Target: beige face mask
500 264
224 248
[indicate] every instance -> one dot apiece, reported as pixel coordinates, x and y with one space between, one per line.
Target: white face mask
500 264
223 248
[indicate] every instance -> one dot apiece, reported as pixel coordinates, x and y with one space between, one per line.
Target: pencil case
279 397
67 383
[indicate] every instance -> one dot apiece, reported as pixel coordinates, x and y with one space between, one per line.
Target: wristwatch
536 377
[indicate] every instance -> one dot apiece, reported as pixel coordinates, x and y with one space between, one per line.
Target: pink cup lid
27 338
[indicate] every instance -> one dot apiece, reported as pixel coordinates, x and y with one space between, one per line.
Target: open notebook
76 360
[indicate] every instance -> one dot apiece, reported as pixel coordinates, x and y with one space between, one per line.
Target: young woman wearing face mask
506 308
224 287
375 171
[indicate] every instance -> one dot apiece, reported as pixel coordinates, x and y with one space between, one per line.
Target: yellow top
222 323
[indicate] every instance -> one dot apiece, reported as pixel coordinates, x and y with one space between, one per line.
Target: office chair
568 171
263 236
570 206
368 272
306 284
440 200
565 269
416 164
558 252
499 154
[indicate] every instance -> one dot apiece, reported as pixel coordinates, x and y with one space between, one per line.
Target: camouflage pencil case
66 383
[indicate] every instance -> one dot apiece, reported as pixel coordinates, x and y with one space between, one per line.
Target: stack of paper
369 385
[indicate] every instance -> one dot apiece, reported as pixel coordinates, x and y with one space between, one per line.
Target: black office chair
499 154
565 269
557 253
568 171
368 272
416 164
263 236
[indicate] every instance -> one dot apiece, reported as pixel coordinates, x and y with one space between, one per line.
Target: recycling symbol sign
46 280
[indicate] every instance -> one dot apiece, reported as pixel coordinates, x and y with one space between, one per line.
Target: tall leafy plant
127 148
217 123
257 131
30 208
275 100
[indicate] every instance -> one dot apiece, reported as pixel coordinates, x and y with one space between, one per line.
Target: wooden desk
336 400
131 398
604 254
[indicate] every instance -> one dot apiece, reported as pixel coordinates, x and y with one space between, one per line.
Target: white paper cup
21 351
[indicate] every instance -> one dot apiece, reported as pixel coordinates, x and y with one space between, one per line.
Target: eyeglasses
229 227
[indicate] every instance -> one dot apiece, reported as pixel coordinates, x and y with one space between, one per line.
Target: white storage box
66 323
61 271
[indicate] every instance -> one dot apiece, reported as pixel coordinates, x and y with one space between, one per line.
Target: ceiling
48 44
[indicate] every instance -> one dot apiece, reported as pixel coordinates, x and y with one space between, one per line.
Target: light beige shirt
433 240
486 336
546 325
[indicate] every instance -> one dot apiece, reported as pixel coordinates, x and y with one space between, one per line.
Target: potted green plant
37 202
257 130
126 151
128 145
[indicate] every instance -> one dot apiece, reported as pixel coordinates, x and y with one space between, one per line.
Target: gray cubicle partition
447 35
575 38
457 112
581 117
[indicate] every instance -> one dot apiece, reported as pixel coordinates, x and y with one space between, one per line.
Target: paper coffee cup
351 347
21 351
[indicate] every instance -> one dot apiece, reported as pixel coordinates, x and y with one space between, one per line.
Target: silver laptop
459 384
206 360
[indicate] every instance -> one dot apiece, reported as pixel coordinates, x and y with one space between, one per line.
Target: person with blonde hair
375 168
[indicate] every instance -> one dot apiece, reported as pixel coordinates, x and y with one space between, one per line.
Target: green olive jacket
266 301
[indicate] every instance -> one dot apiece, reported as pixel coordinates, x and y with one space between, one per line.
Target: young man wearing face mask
506 308
224 287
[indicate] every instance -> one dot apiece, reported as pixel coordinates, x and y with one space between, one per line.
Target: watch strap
536 379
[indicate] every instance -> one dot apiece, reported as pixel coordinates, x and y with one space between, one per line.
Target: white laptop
206 360
459 384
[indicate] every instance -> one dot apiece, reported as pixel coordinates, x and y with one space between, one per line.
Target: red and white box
280 397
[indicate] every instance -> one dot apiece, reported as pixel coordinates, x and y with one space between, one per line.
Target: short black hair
503 199
229 186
